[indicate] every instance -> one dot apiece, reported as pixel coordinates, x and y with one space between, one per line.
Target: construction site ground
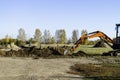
20 68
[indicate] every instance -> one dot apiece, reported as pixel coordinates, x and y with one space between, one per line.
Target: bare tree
57 36
37 36
60 36
75 35
47 36
21 35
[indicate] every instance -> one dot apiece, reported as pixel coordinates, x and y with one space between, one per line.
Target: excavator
114 44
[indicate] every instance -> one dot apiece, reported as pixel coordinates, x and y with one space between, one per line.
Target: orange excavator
115 45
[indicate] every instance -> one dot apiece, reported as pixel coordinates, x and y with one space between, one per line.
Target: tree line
60 37
46 38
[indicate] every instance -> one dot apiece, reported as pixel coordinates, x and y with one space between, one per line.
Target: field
24 68
89 49
106 70
40 69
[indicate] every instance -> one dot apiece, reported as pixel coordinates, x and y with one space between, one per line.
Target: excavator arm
99 34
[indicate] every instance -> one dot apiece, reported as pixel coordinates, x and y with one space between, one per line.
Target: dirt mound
38 52
19 53
32 51
100 44
46 52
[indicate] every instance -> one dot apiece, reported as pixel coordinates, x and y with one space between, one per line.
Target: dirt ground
39 69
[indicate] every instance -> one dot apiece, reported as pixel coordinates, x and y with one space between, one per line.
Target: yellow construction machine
114 44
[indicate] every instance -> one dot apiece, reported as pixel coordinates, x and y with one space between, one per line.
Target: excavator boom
99 34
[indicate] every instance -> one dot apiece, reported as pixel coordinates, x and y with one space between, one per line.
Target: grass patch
97 72
89 49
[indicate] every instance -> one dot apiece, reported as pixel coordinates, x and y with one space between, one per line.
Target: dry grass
40 69
97 72
89 49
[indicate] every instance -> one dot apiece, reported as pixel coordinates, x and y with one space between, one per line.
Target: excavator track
112 53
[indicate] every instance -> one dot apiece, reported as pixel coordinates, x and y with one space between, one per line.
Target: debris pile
32 51
38 52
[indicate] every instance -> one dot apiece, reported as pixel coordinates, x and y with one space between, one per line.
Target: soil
45 52
21 68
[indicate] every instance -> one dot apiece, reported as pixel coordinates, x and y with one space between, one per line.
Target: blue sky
58 14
